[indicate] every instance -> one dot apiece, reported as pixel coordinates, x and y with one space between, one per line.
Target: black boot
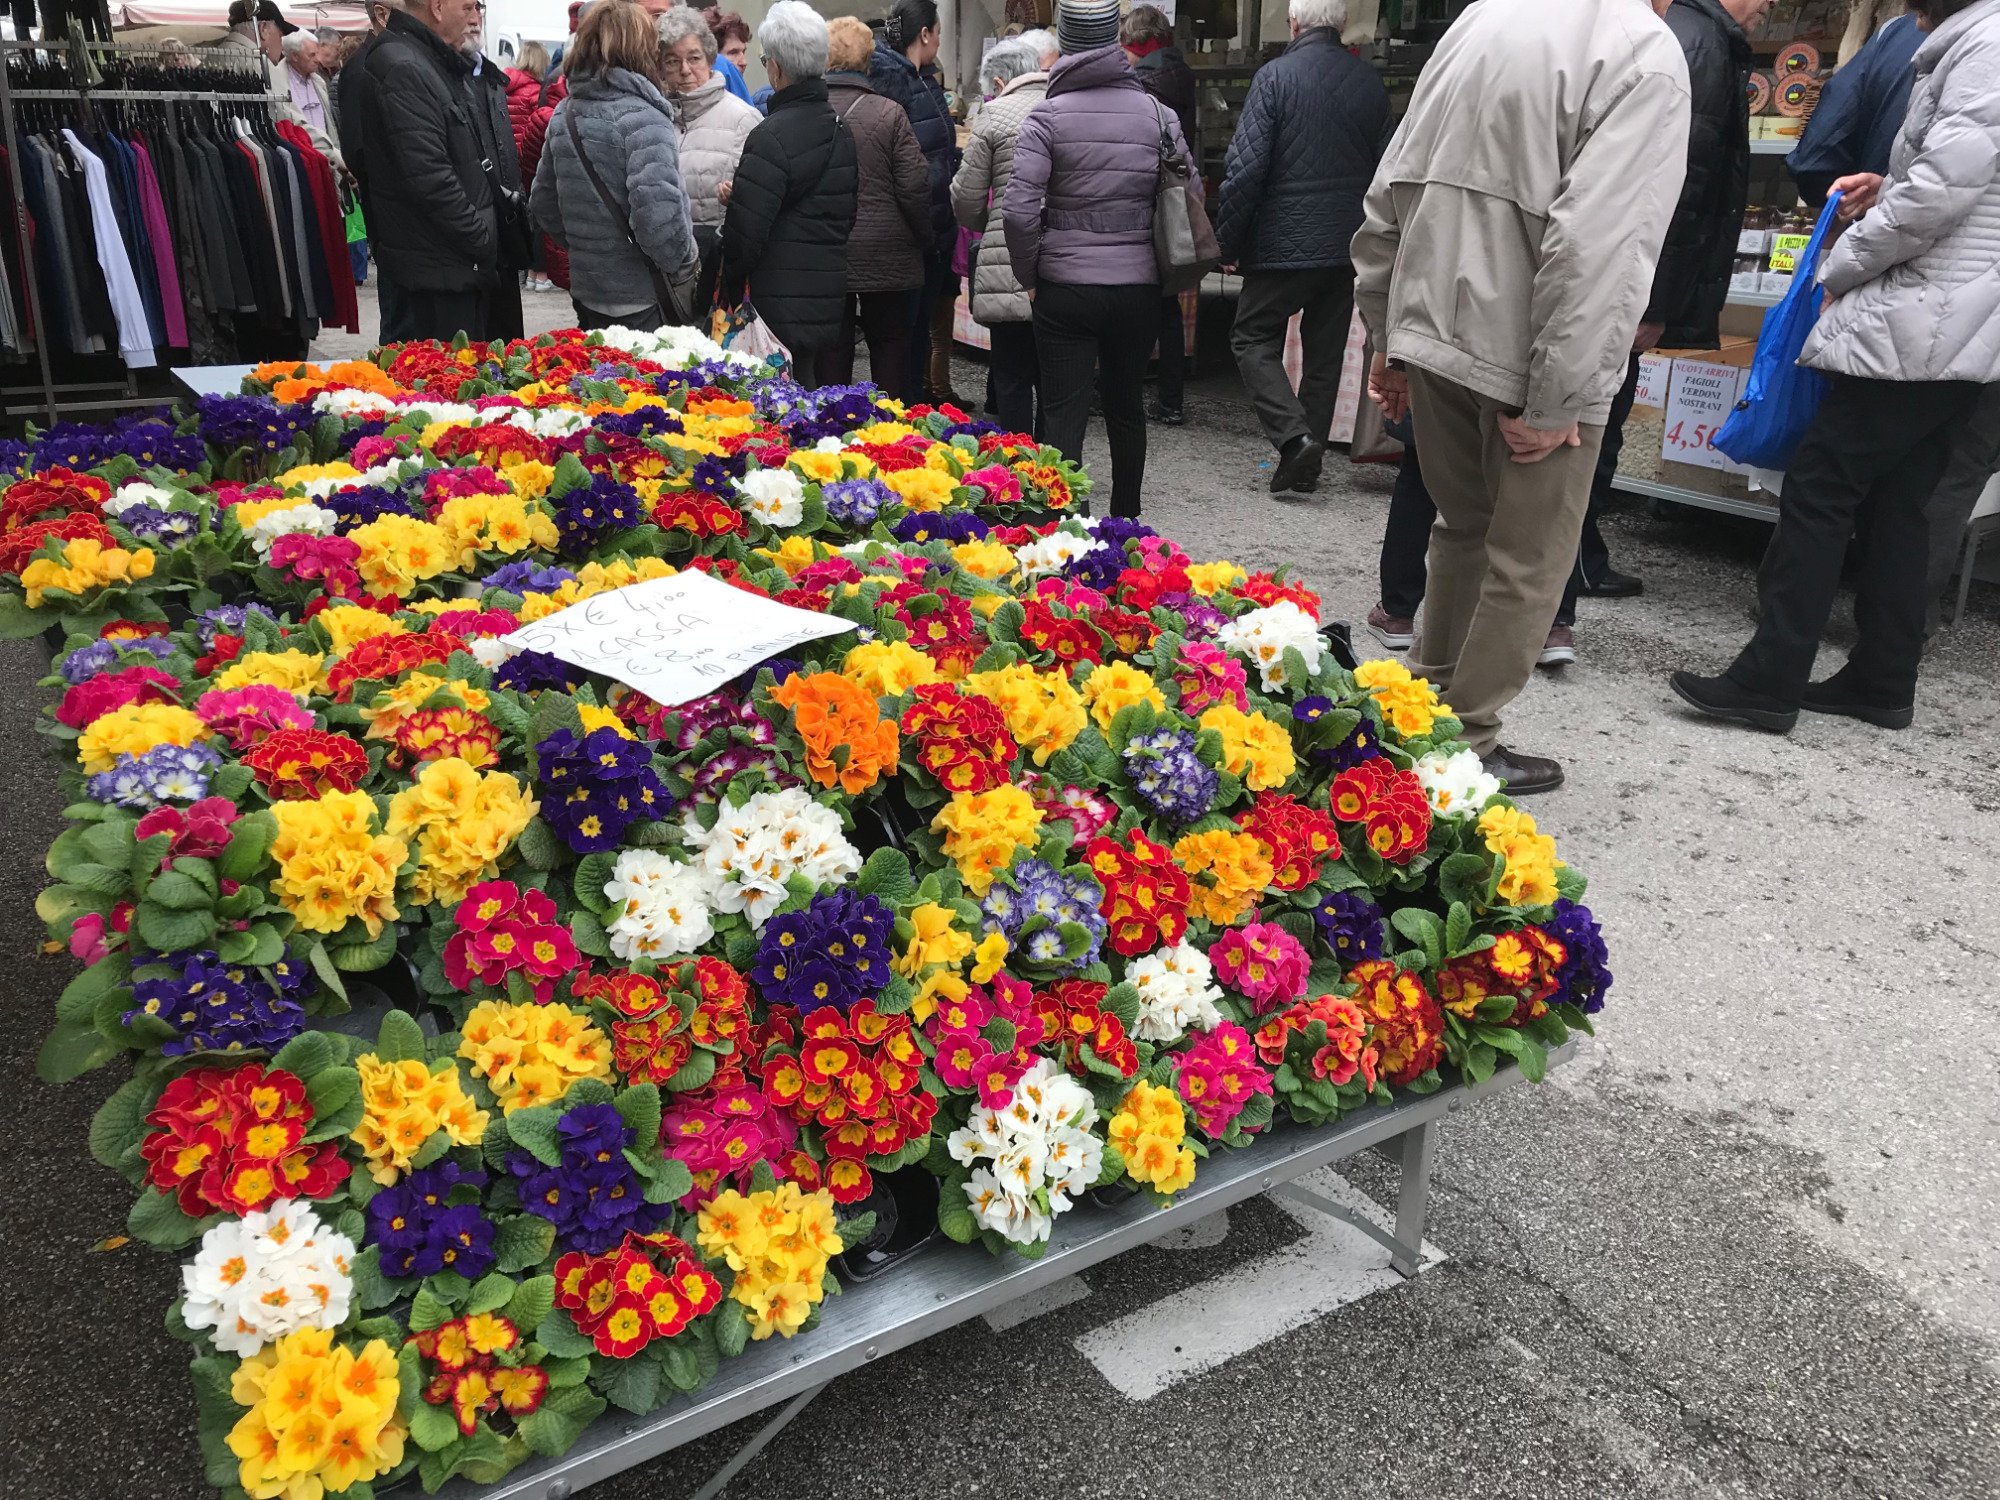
1298 466
1843 694
1720 698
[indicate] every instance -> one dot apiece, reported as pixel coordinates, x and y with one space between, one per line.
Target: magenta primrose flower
1263 962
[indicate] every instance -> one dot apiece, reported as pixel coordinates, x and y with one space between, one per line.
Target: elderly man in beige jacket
1505 262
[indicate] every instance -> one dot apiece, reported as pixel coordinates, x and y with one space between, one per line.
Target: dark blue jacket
1304 152
895 77
1859 112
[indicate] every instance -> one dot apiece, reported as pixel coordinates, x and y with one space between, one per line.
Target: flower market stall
580 851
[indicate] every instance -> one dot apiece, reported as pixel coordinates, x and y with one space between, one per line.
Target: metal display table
947 1284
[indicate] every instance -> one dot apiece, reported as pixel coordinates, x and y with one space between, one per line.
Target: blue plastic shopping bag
1782 395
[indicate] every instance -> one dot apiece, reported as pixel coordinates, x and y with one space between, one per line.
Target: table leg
758 1442
1414 1150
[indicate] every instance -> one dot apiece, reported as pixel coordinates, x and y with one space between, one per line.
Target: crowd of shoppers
1563 194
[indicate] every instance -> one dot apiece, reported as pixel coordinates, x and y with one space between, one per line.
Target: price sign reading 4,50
1700 396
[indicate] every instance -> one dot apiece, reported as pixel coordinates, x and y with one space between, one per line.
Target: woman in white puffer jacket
1910 333
714 125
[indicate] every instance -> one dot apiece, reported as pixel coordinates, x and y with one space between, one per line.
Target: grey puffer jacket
1917 280
1079 206
979 198
627 126
714 126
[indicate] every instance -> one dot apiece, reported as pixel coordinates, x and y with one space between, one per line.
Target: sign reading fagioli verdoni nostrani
675 638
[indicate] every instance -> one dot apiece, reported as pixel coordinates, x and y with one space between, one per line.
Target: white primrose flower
1457 784
1053 552
1177 991
304 518
353 403
752 850
1031 1160
488 650
270 1273
774 496
1264 634
663 911
138 495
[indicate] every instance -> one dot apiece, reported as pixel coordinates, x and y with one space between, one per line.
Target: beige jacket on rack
1513 226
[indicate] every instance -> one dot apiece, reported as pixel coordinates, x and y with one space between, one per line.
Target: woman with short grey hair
1014 78
714 122
792 205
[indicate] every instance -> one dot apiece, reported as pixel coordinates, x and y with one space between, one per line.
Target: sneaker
1613 585
1522 775
1396 634
1298 467
1839 695
1720 698
1559 650
1167 416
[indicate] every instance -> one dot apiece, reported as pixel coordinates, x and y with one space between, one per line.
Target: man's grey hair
794 37
682 22
296 42
1041 43
1310 13
1007 61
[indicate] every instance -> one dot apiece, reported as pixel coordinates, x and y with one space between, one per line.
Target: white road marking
1193 1331
1056 1294
1202 1234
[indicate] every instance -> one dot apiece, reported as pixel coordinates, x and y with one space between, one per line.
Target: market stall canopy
212 16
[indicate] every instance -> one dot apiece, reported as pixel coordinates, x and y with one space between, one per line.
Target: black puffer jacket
790 213
407 107
1165 75
1691 282
1304 152
894 76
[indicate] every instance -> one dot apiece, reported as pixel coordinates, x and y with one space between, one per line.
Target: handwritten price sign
1700 396
673 638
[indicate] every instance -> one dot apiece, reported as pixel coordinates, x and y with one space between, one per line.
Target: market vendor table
947 1284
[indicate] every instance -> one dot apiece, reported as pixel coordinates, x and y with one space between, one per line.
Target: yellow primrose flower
1211 578
395 703
983 829
1116 685
888 669
135 729
816 467
933 940
1253 747
1228 873
462 821
922 489
87 564
348 625
1043 712
304 474
985 559
531 1054
1410 704
398 552
295 671
403 1104
794 554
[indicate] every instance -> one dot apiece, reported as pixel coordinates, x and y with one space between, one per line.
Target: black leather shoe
1523 775
1167 416
1837 695
1720 698
1614 585
1298 467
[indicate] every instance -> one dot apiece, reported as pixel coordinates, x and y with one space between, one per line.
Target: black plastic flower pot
905 1205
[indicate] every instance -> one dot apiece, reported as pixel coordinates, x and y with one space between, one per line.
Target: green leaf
588 933
307 1053
180 892
80 996
401 1039
534 1131
732 1327
432 1427
74 1048
172 930
521 1242
1457 927
886 875
539 846
639 1107
157 1219
531 1302
119 1121
683 1365
558 1334
491 1293
428 1311
335 1096
955 1214
371 1287
1422 928
323 966
635 1385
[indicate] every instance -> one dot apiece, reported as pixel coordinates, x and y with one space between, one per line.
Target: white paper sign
1654 371
1700 396
673 638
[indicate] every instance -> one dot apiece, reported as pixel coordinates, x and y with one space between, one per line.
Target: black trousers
645 320
1879 444
1406 539
1325 300
442 315
887 320
1107 331
1173 354
938 280
1015 375
1593 558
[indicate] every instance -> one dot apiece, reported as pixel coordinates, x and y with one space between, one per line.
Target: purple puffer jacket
1079 206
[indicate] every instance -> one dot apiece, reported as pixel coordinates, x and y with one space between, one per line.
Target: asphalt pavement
1744 1246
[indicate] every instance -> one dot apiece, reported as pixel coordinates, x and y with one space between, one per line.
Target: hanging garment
153 210
134 334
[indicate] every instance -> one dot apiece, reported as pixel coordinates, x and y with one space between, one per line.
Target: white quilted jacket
1917 280
714 125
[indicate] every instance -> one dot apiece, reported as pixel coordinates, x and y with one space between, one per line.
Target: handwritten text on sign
673 638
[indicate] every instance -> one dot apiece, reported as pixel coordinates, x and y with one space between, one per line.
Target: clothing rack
97 70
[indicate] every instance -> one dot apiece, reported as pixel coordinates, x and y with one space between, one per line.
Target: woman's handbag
1184 245
673 301
1782 396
